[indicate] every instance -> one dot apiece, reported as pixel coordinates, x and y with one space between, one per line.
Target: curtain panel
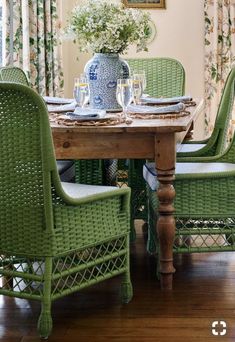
219 53
31 32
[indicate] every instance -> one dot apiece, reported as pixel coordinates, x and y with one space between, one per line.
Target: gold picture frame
145 3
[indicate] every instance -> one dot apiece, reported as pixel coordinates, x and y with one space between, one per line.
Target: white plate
57 100
69 107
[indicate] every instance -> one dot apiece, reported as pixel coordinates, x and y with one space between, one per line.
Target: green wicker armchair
204 202
66 168
56 238
13 74
216 143
165 78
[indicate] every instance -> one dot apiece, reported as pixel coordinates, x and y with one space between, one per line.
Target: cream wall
180 35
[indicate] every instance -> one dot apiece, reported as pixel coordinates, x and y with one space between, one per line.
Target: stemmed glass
81 91
124 96
139 85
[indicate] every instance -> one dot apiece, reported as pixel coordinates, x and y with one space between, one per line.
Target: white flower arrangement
106 26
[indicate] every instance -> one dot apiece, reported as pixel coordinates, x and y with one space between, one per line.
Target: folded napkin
162 101
85 114
141 109
62 108
81 117
57 100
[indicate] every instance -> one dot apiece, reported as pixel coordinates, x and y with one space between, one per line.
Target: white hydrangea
106 26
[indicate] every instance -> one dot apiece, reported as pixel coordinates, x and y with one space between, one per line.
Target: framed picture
145 3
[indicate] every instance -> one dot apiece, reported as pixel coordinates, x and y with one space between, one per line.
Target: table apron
72 145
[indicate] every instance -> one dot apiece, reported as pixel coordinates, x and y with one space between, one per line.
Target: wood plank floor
204 291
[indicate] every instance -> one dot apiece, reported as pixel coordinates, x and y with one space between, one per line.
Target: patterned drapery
219 52
31 41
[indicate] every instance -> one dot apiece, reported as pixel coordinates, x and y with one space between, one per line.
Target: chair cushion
149 171
66 170
190 147
83 190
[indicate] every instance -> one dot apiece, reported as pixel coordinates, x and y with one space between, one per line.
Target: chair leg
152 235
7 281
151 244
45 319
126 289
132 231
126 286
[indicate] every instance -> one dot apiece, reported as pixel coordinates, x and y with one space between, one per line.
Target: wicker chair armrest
207 175
205 159
125 192
204 141
207 150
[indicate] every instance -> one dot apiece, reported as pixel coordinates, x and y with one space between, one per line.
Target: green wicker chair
205 201
13 74
56 238
216 143
66 168
165 78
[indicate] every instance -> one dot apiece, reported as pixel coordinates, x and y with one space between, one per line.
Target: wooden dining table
157 139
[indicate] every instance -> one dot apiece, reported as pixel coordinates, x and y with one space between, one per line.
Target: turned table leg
165 165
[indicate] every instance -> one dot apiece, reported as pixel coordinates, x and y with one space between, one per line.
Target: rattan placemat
172 115
109 120
144 116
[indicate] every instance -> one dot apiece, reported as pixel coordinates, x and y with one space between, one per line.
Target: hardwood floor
204 291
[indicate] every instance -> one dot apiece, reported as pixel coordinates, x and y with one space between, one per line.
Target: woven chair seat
185 170
191 147
83 190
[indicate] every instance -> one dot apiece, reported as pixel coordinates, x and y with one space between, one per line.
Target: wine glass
124 95
81 91
137 87
141 75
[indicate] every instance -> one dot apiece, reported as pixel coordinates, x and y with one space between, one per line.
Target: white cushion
190 147
83 190
149 171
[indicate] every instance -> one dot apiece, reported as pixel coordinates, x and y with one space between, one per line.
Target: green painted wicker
13 74
165 77
204 203
89 171
216 143
51 244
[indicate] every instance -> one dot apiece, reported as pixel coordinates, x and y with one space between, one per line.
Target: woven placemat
172 115
158 116
107 121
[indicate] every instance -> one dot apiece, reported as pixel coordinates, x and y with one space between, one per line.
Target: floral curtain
31 41
219 52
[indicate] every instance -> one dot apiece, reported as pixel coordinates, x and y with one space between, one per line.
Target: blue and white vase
103 71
